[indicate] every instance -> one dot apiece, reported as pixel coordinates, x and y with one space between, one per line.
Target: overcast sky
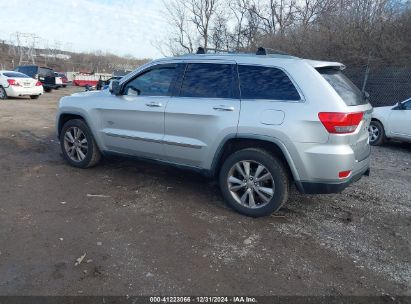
119 26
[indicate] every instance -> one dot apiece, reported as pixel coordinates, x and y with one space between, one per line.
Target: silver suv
256 122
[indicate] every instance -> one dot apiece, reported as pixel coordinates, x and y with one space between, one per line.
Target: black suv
43 74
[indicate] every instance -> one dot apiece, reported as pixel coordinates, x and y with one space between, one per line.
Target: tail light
38 83
344 174
13 82
340 123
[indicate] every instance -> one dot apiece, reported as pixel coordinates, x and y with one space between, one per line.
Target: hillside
61 60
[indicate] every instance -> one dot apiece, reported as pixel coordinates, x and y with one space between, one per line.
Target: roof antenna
200 50
261 51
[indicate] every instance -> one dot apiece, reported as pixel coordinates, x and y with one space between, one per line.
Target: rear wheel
376 133
3 94
34 96
254 182
48 90
78 145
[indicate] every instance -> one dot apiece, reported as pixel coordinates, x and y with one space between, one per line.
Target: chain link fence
386 85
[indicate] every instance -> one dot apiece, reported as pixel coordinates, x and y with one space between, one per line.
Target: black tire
92 156
3 94
48 90
378 138
34 96
64 85
273 165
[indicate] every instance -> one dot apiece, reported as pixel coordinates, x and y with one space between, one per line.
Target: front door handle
153 104
223 108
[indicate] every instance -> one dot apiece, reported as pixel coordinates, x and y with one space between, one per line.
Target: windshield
348 91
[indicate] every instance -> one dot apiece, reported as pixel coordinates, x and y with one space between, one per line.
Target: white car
15 84
393 122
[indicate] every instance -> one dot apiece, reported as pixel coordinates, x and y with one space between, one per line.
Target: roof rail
263 51
202 50
260 51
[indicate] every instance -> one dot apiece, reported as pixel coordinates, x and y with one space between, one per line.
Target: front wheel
376 133
34 96
3 94
78 145
254 182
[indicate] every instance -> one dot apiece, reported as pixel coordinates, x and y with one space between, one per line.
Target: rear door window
407 105
348 91
259 82
212 80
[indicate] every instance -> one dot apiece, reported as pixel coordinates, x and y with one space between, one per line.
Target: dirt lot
152 229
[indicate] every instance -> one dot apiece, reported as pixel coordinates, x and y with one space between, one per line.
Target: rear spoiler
325 64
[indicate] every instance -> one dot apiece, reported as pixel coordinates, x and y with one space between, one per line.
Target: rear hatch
47 77
356 103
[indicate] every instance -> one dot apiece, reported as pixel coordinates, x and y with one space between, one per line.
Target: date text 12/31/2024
203 299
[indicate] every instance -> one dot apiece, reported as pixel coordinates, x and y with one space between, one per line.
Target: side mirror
400 106
115 87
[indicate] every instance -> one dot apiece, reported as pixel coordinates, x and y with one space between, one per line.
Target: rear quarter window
348 91
258 82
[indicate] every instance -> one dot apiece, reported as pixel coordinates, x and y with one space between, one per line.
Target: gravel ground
151 229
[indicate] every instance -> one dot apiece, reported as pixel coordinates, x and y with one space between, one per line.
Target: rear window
15 74
46 72
348 91
258 82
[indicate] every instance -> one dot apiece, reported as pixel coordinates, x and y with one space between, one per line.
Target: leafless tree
181 38
239 9
202 13
221 36
346 30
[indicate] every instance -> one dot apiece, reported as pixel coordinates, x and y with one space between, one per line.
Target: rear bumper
324 188
21 91
49 85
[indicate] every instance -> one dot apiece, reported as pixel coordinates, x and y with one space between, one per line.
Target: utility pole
25 47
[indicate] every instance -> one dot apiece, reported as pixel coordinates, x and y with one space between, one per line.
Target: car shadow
398 145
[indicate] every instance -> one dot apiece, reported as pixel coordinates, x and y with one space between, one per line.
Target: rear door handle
223 108
153 104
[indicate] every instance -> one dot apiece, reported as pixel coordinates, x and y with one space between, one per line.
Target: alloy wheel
2 93
75 144
373 132
251 184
